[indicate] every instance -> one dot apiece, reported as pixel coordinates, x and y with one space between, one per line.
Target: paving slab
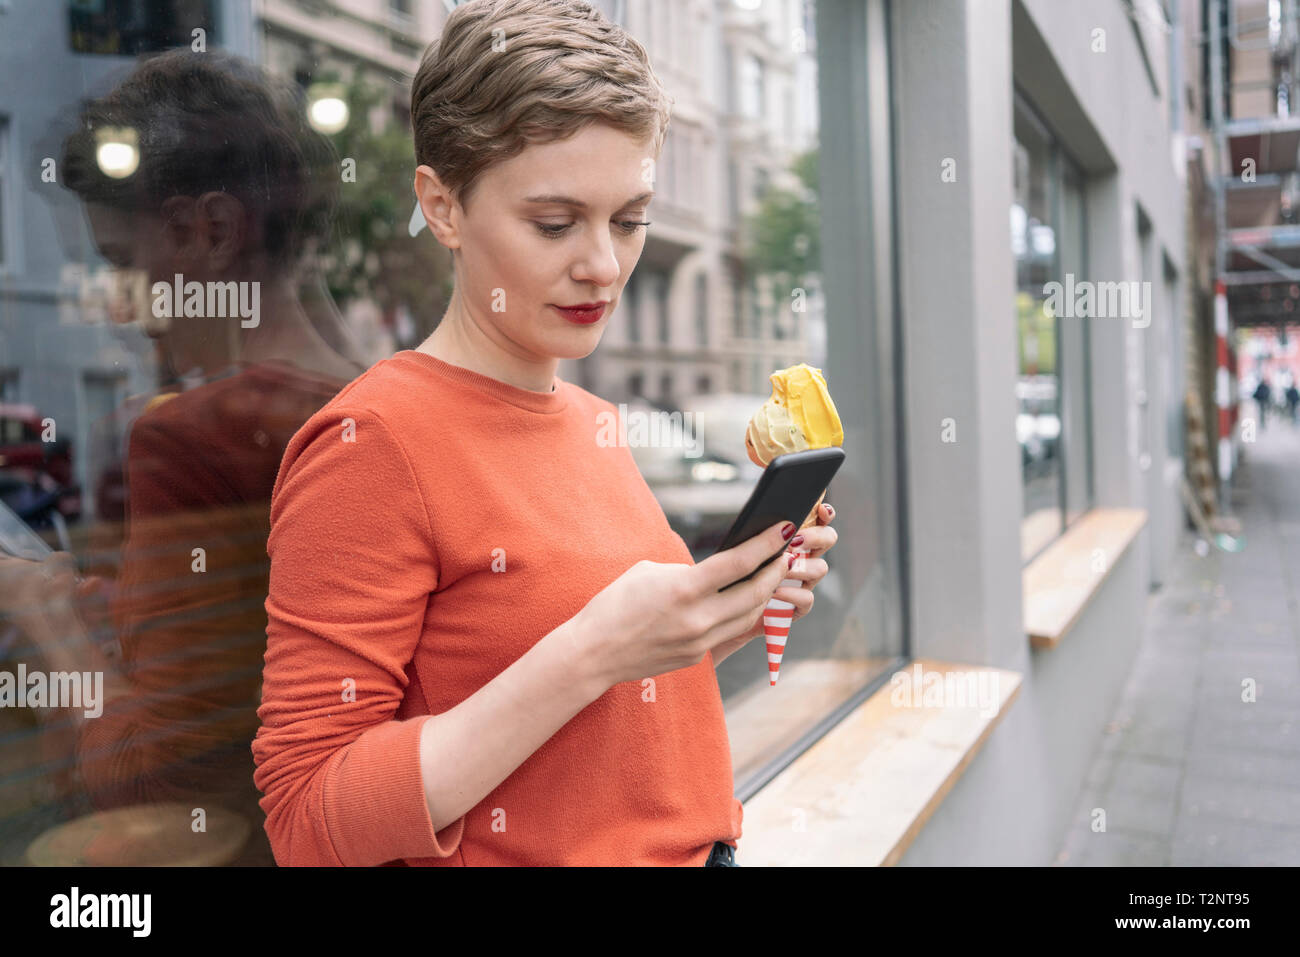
1200 763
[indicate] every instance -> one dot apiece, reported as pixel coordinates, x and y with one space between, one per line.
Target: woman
232 185
486 644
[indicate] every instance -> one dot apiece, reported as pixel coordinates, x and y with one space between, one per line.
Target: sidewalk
1188 773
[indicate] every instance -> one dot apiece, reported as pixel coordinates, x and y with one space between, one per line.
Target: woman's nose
600 265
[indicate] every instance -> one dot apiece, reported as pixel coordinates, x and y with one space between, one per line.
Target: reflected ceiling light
117 151
1043 239
749 4
1018 227
327 111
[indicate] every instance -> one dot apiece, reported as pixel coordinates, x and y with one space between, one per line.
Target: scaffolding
1253 66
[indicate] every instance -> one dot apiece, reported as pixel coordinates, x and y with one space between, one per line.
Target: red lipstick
584 314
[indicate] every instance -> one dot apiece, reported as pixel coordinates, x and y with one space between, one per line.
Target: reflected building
60 350
695 320
202 185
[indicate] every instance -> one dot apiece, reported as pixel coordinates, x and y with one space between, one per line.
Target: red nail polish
787 530
796 541
830 511
789 564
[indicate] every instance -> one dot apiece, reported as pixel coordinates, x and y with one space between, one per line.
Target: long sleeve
353 570
416 564
191 638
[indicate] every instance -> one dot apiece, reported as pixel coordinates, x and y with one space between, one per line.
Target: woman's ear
437 205
178 231
221 223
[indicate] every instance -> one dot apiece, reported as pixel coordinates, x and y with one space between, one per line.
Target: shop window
132 27
1048 241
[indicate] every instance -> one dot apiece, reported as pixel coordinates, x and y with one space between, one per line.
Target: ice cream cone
777 617
800 415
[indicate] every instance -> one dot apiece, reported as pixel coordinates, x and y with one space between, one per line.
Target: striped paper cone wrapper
777 617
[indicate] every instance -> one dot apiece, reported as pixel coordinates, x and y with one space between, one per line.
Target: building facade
1001 264
1082 95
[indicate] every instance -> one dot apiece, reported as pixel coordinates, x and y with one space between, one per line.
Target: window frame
663 285
702 309
7 210
1070 167
1059 161
633 318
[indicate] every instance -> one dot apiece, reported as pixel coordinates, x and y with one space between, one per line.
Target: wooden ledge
862 792
1062 580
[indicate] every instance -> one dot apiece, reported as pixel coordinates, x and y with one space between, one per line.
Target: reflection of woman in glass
230 184
486 644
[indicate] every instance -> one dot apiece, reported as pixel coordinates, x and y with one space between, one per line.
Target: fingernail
790 561
830 511
796 541
787 530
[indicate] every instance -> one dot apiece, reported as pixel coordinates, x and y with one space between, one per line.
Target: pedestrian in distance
1262 395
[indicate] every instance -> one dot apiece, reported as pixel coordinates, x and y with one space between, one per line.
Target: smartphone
787 491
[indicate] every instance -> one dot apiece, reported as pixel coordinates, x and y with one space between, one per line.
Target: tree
371 255
784 235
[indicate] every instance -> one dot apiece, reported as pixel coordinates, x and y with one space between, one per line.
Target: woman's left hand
30 589
809 568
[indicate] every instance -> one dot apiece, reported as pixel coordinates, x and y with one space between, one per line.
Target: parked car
1038 420
35 475
702 493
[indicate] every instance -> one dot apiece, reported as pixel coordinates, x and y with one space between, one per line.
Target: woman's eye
554 231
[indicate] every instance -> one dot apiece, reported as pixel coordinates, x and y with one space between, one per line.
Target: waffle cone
812 516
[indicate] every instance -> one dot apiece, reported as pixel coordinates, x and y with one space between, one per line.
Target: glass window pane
771 197
661 304
1038 421
1075 438
632 309
313 145
1174 373
4 183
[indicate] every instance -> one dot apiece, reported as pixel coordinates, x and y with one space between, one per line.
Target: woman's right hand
656 617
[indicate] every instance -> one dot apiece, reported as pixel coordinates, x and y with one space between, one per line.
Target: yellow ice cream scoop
800 415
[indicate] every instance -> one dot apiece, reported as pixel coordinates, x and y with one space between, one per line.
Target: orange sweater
391 506
201 465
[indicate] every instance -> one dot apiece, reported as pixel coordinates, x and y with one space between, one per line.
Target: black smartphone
787 491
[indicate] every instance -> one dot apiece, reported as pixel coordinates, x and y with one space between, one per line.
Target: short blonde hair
564 65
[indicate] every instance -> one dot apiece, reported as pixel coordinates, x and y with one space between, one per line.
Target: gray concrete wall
954 64
959 338
1012 806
